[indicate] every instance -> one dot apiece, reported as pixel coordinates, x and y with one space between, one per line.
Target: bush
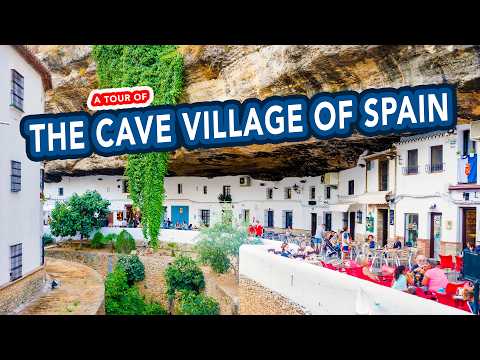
133 267
183 274
121 299
110 239
125 242
198 304
47 239
97 241
216 258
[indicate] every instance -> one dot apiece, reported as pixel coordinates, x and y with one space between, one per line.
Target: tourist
190 227
363 263
177 225
397 244
470 247
169 223
259 229
319 236
418 270
345 242
371 241
400 278
284 251
434 278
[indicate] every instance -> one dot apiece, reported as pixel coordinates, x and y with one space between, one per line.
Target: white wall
324 291
20 213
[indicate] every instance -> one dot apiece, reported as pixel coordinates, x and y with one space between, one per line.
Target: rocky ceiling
239 72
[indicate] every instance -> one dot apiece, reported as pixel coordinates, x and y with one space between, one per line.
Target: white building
23 81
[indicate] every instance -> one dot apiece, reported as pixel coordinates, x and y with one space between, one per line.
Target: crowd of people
167 224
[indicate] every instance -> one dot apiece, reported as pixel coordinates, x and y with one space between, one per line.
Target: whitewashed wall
20 213
326 292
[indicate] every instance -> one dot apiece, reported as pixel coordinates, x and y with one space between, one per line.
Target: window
436 159
205 217
17 90
125 186
226 190
412 162
15 262
269 221
269 193
327 192
288 193
359 217
288 219
16 176
60 191
351 187
383 175
205 189
312 193
180 188
468 145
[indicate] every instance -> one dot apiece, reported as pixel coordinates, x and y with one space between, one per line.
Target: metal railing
410 170
435 168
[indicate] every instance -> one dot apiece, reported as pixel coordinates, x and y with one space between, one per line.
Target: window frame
351 187
227 190
412 170
15 176
60 191
269 193
205 214
179 188
288 193
16 272
312 191
14 93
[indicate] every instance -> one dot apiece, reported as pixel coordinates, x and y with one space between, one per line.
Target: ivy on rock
161 68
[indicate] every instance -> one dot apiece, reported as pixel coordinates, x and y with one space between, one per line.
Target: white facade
20 213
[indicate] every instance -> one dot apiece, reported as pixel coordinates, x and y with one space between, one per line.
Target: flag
471 169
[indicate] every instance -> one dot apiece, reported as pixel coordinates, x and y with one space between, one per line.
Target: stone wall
22 290
256 299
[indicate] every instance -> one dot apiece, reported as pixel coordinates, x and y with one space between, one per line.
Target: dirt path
80 291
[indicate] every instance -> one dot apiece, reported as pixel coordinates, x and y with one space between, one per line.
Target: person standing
258 229
319 236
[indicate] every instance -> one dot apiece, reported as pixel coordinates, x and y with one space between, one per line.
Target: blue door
180 215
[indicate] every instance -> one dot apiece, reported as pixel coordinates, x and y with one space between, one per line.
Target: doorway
270 218
435 234
352 224
288 219
246 216
314 224
469 226
180 215
328 221
382 226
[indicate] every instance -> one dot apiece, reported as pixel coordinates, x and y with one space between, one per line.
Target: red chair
419 292
446 262
451 288
458 263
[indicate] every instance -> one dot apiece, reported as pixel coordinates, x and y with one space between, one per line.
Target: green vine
161 68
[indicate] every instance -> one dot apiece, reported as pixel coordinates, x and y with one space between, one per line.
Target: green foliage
125 242
197 304
121 299
47 239
97 241
160 67
80 214
133 267
172 246
183 274
219 244
110 239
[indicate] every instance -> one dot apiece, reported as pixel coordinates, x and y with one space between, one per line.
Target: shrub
183 274
133 267
47 239
125 242
110 239
121 299
97 241
197 304
215 257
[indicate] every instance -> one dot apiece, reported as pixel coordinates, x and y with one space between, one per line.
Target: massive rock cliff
239 72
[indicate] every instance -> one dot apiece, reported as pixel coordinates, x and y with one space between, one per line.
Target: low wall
14 294
322 291
166 235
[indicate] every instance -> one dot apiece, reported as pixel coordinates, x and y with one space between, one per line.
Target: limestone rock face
239 72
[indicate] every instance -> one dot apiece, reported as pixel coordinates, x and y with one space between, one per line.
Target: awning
340 207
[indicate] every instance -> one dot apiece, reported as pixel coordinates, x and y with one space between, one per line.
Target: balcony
410 170
434 168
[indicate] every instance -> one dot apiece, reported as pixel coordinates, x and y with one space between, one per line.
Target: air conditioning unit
475 130
331 178
245 181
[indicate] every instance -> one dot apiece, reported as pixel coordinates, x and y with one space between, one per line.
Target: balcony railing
410 170
435 168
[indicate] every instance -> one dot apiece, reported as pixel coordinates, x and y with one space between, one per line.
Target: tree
219 244
80 214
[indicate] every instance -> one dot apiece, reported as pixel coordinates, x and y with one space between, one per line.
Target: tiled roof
423 136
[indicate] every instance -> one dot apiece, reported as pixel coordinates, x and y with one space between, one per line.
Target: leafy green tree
219 244
183 274
124 242
80 214
160 67
133 267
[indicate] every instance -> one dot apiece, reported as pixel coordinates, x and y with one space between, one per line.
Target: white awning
340 207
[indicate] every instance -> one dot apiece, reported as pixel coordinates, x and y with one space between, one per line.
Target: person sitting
397 244
418 270
329 247
302 250
434 278
371 241
284 251
470 247
363 263
190 227
177 225
400 278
